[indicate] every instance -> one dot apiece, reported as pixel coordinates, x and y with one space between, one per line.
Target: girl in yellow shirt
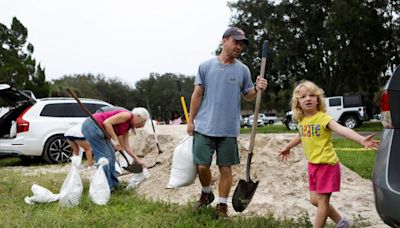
315 132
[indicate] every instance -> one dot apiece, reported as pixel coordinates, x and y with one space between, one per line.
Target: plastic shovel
245 189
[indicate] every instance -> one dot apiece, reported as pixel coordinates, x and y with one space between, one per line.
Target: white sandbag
138 178
41 195
72 188
99 190
183 169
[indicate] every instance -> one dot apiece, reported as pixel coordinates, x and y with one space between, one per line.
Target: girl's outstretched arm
285 152
366 141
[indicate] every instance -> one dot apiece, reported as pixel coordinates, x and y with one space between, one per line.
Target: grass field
355 157
128 209
125 209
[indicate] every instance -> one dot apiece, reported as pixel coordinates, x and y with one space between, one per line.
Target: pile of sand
283 188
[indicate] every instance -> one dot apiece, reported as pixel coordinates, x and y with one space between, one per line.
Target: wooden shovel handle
257 108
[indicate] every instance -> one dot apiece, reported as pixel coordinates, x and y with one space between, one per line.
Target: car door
75 115
334 107
56 114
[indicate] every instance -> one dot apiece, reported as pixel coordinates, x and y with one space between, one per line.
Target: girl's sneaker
343 224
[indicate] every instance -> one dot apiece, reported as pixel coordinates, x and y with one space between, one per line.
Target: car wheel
292 125
351 122
57 150
271 122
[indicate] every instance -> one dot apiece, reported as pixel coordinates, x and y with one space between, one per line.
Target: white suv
348 110
36 127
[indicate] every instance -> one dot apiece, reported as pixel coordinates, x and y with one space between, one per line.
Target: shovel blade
134 168
243 194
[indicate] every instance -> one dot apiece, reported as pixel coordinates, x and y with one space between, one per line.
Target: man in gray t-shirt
214 118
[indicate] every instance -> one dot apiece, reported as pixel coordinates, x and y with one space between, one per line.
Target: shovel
245 189
133 168
155 135
183 101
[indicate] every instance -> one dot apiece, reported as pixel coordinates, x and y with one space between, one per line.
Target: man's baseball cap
236 33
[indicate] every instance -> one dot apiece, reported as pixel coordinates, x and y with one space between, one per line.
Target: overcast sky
127 39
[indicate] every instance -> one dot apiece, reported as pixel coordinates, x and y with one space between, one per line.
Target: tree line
159 93
344 46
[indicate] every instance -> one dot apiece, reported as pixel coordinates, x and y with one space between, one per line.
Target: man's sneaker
221 211
205 199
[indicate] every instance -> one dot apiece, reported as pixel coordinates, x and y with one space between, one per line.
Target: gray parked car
386 173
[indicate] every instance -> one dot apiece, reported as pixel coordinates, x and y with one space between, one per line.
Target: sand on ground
283 186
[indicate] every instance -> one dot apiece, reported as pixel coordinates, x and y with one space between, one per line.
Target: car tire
57 150
291 125
271 122
351 122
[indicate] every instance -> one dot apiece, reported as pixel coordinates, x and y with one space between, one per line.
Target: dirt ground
282 189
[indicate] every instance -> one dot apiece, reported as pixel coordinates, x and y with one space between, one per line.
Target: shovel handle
152 125
258 99
123 155
183 101
257 109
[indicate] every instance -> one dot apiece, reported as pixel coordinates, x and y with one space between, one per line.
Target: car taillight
22 125
385 110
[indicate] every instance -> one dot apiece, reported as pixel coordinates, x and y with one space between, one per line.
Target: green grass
373 126
359 160
275 128
125 209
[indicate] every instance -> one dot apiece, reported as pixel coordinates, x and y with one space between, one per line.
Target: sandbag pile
72 187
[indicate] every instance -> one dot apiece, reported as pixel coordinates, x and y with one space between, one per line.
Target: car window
352 101
68 110
94 107
53 110
74 110
335 102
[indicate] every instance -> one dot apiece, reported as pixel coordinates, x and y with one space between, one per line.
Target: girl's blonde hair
313 88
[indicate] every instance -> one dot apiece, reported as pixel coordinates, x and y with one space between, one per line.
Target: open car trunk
16 102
